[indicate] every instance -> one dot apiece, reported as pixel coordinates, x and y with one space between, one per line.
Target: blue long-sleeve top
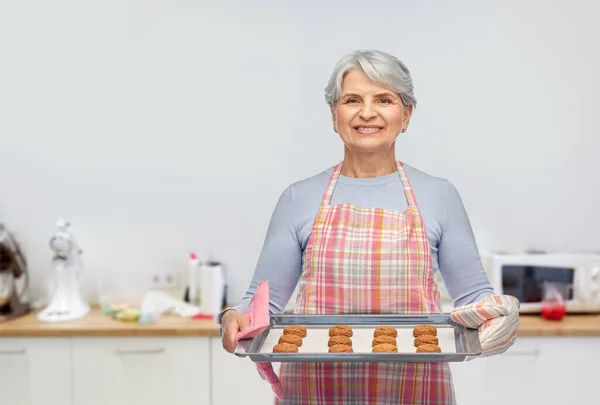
448 228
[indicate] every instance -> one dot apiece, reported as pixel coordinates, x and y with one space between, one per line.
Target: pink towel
258 316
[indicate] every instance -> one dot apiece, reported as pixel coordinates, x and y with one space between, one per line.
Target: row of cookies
291 339
384 339
339 339
426 340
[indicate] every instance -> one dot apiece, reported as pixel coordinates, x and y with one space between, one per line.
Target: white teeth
367 129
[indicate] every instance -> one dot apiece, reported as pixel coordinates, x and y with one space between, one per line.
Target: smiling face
368 117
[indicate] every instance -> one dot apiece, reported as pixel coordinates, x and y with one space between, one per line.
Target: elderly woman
367 236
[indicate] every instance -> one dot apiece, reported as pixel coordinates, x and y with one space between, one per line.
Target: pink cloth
257 312
258 316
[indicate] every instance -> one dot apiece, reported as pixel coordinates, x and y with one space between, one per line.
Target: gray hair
382 68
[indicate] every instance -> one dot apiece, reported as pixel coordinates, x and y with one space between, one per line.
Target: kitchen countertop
570 325
98 324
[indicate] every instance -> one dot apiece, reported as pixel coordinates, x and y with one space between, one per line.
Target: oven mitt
258 317
497 319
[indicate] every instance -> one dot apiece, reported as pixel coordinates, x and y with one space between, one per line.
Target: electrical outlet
163 280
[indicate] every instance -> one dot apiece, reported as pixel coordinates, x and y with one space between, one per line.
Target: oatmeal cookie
384 339
285 348
340 349
293 339
295 330
424 330
385 348
426 339
385 330
339 340
427 348
340 330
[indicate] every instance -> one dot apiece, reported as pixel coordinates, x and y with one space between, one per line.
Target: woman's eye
351 101
385 100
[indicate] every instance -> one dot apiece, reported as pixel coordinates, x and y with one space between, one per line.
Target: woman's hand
232 322
497 319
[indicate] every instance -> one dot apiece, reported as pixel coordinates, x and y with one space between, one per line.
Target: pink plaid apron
367 260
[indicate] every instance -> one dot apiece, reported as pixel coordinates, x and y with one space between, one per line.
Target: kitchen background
158 128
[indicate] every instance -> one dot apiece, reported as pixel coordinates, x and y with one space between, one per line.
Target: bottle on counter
193 289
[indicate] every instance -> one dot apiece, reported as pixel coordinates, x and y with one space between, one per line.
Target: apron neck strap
333 179
408 191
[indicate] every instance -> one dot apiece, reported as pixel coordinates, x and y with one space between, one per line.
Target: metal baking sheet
456 342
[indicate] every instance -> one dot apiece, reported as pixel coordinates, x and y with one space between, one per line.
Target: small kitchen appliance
67 303
536 278
14 278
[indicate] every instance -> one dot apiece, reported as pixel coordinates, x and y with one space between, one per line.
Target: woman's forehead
357 82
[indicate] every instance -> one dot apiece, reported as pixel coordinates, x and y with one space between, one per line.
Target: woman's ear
407 114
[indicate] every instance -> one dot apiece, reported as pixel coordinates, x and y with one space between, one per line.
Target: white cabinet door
511 377
235 380
35 371
568 371
141 371
469 381
508 378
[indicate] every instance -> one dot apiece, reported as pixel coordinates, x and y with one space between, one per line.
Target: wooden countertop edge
96 324
137 331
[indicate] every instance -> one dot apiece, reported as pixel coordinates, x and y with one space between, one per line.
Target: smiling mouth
367 129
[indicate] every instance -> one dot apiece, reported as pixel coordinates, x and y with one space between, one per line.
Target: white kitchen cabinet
511 377
235 380
197 371
35 371
507 378
141 371
535 371
469 381
568 371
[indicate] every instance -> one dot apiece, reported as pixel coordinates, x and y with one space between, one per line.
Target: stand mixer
14 279
67 303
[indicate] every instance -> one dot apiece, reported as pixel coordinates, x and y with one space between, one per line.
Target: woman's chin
369 146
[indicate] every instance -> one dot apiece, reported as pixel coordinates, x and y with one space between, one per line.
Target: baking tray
456 342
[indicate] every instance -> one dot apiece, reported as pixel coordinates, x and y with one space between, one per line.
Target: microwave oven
523 276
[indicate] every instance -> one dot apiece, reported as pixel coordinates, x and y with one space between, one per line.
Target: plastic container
554 305
120 298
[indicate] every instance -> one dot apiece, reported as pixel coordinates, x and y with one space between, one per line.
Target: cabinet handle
9 352
139 351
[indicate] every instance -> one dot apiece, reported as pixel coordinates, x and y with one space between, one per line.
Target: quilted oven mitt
497 319
258 316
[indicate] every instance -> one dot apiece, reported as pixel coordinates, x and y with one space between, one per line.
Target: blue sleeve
459 261
280 261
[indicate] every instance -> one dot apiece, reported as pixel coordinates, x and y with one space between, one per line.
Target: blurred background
160 128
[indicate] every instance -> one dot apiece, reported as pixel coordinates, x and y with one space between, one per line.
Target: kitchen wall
160 127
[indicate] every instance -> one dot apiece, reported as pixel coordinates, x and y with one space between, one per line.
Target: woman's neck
366 165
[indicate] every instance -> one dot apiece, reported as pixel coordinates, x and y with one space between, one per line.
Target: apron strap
337 169
333 179
408 191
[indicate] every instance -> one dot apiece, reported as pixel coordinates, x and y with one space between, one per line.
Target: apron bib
367 260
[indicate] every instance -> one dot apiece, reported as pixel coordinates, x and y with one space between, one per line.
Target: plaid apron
367 260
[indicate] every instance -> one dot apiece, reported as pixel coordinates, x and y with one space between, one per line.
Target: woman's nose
367 111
